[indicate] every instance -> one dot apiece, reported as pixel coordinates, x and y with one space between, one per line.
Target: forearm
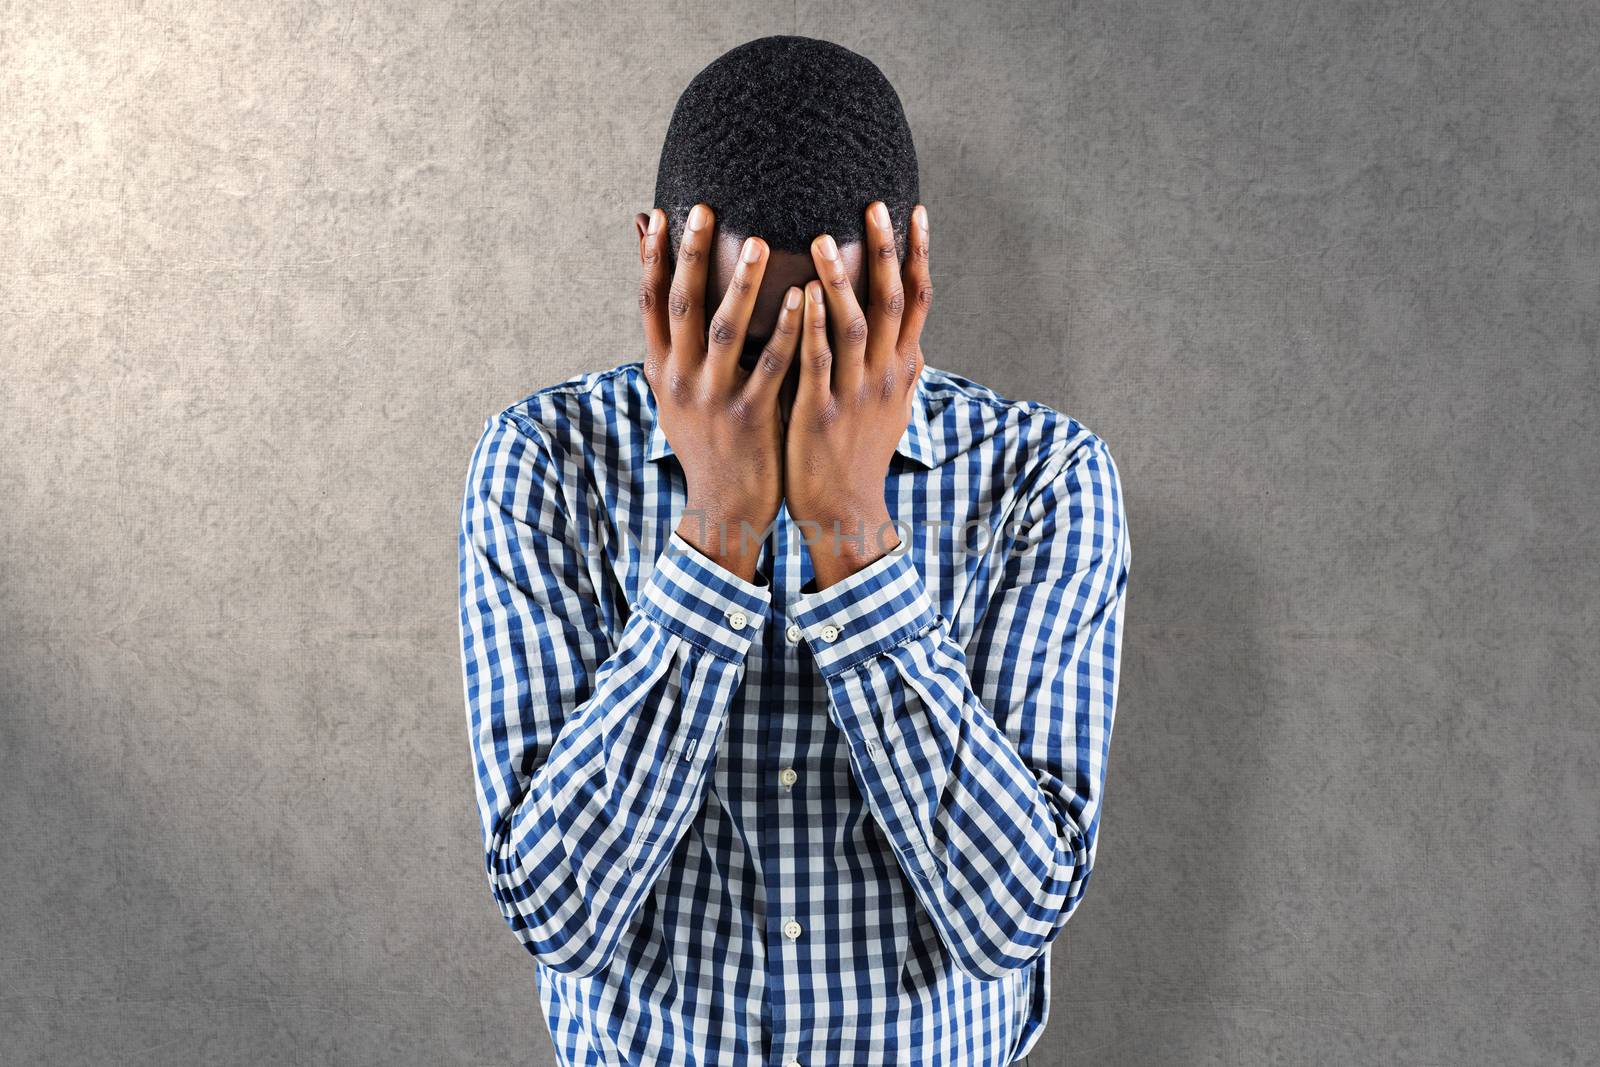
990 840
575 844
992 853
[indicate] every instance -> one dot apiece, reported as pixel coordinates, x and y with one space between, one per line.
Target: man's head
786 138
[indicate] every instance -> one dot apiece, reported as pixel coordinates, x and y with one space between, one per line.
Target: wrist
733 544
842 544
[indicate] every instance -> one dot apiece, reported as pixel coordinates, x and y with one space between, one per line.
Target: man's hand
723 422
854 400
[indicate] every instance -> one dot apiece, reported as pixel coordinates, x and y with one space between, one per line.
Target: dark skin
813 414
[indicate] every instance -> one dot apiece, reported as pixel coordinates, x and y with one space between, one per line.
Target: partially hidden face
783 270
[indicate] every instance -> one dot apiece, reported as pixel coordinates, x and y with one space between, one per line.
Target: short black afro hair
787 137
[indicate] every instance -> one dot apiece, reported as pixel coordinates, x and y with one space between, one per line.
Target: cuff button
738 620
830 633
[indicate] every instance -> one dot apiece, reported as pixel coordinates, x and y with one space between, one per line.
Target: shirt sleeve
991 804
591 746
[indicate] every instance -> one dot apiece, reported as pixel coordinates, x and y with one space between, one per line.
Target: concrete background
1324 275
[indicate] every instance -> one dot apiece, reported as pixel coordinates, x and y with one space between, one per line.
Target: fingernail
829 249
752 251
655 222
792 300
697 216
880 214
922 219
816 293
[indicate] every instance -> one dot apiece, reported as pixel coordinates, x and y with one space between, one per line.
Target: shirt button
793 634
738 620
791 930
788 777
830 633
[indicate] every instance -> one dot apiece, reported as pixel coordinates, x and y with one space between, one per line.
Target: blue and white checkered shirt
743 822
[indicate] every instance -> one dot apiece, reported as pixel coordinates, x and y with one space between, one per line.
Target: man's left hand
853 399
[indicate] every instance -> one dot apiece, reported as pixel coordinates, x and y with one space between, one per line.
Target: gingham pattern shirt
746 822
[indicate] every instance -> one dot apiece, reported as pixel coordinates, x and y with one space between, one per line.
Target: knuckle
722 331
772 361
889 385
741 284
647 297
741 411
911 365
856 330
821 359
925 294
888 252
895 302
678 303
839 280
679 385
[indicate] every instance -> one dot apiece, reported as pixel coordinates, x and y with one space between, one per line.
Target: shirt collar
916 443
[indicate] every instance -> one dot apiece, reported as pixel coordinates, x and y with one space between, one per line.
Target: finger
686 310
918 285
885 297
850 325
816 359
653 285
766 380
732 319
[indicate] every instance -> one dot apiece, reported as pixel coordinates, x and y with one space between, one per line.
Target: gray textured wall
1323 274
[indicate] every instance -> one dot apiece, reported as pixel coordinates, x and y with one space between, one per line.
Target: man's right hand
723 423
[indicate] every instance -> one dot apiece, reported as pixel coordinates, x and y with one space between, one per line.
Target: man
790 661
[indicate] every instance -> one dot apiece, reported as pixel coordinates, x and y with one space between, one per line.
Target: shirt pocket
676 766
910 829
929 768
